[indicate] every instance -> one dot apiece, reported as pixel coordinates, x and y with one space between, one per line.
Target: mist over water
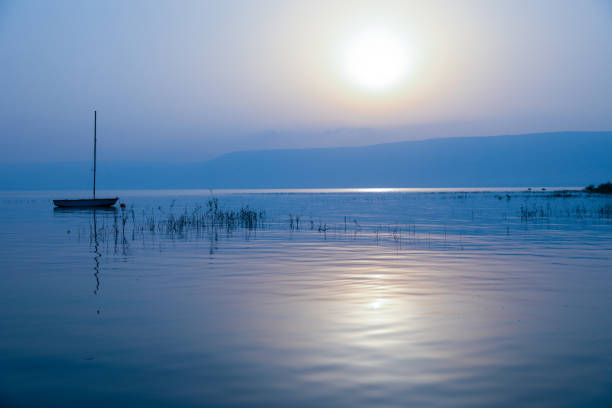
332 298
325 289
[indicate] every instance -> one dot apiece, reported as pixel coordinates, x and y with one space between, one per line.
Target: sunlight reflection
377 304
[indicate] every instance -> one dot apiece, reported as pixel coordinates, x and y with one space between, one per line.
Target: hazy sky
193 79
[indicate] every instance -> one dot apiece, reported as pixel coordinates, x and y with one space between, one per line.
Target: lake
386 297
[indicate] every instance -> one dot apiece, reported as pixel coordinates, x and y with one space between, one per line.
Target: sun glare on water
376 60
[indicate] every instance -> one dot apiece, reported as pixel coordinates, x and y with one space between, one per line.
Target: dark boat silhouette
88 202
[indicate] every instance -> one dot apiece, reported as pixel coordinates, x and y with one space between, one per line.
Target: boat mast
94 178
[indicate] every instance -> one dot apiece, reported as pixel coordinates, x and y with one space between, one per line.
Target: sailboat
89 202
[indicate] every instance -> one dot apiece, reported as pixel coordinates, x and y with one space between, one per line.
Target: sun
376 60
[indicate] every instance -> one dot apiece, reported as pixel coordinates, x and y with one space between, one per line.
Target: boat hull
86 203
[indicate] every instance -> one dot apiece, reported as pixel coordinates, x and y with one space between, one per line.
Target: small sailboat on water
89 202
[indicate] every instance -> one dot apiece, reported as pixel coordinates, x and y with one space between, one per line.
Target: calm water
385 297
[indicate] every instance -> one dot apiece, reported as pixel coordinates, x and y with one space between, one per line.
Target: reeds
213 220
535 211
209 218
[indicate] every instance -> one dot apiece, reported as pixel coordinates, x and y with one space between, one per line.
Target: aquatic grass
605 211
211 217
212 220
535 211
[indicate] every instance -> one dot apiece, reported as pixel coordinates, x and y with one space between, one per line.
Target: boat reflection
84 210
96 237
98 255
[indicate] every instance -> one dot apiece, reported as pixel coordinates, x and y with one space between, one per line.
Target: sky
190 80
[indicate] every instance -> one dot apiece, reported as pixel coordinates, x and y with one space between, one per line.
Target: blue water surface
389 297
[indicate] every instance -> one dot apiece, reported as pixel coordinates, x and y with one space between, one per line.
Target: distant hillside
553 159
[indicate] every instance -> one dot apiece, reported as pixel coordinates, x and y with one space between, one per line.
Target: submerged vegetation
580 211
213 220
212 216
200 221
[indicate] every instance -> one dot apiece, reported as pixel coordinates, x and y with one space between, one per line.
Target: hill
551 159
